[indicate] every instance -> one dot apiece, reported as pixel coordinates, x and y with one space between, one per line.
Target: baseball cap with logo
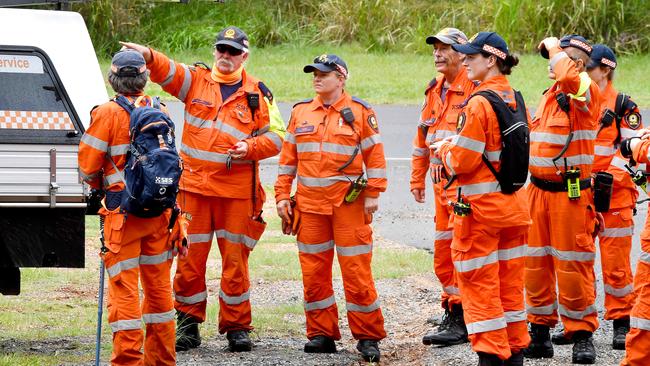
489 42
233 37
602 55
128 62
448 36
328 63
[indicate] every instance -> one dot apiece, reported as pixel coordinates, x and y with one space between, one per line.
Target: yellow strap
585 82
276 124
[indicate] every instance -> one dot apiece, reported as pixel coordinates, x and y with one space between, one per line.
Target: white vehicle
50 80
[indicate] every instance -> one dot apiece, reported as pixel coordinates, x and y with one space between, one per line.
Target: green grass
394 77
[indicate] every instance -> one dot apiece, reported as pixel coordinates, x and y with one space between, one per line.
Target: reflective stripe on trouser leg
353 239
158 307
637 342
478 256
316 254
232 216
512 258
190 291
539 272
615 245
443 266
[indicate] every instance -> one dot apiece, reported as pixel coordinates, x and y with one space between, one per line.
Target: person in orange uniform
332 146
231 122
138 248
488 247
444 100
619 120
637 343
561 247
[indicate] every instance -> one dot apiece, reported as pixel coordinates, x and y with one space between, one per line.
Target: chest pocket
201 113
343 142
308 141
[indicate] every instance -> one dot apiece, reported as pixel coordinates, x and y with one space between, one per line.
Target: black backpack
153 166
515 139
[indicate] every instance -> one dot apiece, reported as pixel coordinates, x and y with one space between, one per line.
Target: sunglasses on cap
221 48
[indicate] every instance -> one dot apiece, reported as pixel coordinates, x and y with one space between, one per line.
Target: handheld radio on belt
253 100
360 183
461 208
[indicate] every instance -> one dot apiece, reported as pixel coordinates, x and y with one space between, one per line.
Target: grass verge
393 77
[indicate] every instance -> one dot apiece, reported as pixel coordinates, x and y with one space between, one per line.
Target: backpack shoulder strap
124 102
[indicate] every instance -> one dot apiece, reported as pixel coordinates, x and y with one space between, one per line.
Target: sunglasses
230 50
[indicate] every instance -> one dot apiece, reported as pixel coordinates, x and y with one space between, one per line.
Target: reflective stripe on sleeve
287 170
468 143
94 142
644 256
187 83
289 137
170 75
604 150
451 290
640 323
420 151
370 141
376 173
275 138
118 149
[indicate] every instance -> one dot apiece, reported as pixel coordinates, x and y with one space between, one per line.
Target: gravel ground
409 306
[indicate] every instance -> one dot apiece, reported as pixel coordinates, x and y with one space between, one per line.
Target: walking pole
100 302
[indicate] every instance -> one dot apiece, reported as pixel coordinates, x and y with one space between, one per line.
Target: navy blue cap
602 55
328 63
128 62
576 41
233 37
489 42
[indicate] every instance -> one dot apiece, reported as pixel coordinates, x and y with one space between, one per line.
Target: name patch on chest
304 129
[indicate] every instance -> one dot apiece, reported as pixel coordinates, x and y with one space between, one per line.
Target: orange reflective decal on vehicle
34 120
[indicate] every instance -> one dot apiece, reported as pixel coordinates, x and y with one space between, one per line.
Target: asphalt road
400 218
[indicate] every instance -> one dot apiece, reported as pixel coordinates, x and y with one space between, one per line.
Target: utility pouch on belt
355 189
603 191
461 208
572 181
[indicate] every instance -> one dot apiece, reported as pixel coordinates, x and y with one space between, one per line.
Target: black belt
551 186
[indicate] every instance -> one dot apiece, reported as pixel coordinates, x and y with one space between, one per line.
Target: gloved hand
178 234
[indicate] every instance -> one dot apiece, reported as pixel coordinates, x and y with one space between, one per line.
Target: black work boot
369 350
560 338
239 341
516 359
320 344
432 334
488 359
187 332
584 351
452 331
540 342
621 328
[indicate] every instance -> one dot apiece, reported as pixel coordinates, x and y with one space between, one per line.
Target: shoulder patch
362 102
305 101
460 123
266 91
372 122
633 120
201 65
